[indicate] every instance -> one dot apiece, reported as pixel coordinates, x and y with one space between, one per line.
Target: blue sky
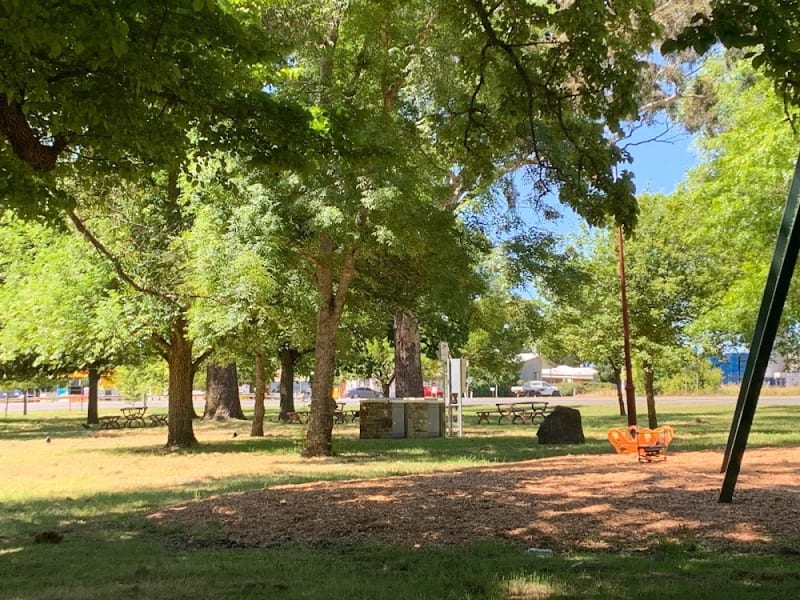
661 158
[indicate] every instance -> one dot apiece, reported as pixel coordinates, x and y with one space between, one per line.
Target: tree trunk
257 428
222 393
386 386
649 390
180 409
618 384
407 364
329 315
92 415
320 421
288 357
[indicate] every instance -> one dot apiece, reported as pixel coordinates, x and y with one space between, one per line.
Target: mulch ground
568 503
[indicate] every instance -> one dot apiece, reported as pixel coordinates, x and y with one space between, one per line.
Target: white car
535 388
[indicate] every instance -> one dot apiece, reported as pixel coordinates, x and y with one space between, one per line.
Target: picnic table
538 409
517 412
134 415
109 422
159 419
295 416
511 411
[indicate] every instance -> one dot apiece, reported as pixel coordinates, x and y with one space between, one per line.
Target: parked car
431 391
362 392
535 388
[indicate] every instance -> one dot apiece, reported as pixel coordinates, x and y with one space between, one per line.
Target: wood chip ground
569 503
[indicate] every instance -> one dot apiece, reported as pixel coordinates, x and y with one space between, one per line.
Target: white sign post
458 386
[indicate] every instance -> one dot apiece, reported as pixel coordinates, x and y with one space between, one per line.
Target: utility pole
630 395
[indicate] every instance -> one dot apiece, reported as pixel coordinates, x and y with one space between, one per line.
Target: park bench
649 445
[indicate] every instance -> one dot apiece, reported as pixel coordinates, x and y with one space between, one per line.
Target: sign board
458 376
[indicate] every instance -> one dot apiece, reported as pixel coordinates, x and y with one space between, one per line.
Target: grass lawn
96 488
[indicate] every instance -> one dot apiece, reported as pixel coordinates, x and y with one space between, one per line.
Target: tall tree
736 194
472 86
148 251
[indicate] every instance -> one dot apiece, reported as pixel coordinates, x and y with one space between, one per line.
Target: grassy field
96 488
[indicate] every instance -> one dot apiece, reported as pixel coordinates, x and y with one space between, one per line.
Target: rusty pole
630 395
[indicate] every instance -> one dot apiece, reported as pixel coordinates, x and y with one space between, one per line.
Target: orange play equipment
648 444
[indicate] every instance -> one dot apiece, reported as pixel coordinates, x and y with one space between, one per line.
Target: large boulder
562 426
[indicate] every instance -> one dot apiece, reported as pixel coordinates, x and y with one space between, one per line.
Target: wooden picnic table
134 415
538 409
109 422
159 419
518 412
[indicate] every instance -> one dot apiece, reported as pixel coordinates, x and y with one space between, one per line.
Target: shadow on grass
144 567
32 427
109 550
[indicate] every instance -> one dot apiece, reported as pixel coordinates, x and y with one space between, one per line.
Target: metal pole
630 394
777 288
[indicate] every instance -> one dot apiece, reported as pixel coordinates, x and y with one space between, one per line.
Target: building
563 373
732 365
535 368
532 366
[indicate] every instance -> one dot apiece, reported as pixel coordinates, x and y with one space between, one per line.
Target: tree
588 322
148 251
765 28
501 325
456 84
99 87
248 293
60 307
736 194
665 296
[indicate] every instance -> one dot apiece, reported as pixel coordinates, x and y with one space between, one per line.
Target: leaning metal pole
630 395
777 287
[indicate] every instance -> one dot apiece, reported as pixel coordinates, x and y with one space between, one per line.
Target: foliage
501 326
730 205
137 381
60 306
97 87
587 324
765 28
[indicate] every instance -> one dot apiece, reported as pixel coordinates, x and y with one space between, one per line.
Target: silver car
362 392
540 388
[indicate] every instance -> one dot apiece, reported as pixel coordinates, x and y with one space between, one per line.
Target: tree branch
24 142
115 262
200 358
